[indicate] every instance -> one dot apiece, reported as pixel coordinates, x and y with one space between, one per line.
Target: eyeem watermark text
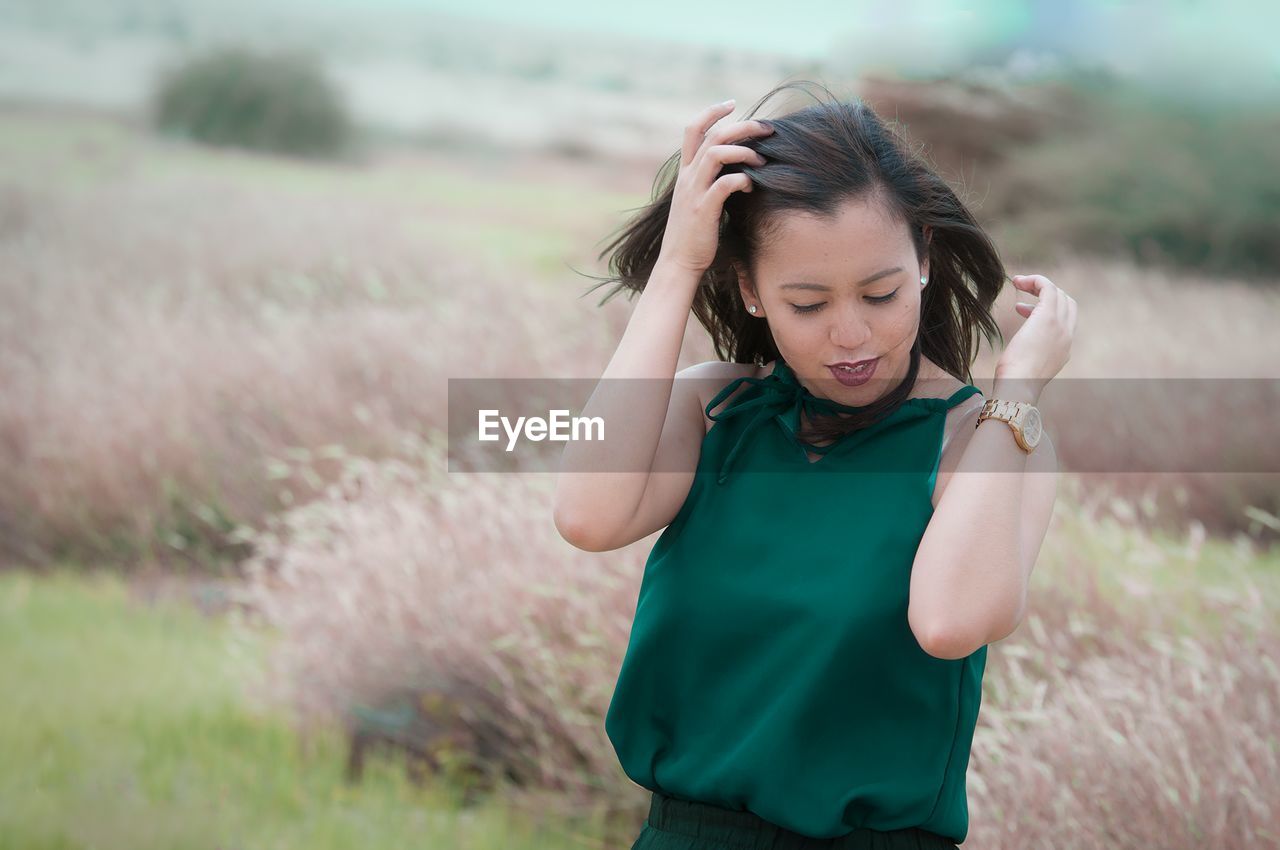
560 427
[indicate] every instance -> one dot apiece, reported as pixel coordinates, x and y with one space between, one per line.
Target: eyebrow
825 288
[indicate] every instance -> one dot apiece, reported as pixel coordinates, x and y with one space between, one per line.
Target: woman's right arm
648 423
593 507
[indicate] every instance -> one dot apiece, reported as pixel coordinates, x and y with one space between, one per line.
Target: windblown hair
818 158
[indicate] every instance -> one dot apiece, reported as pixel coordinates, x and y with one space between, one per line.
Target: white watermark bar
1109 425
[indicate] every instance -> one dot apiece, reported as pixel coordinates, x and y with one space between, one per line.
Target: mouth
859 367
854 374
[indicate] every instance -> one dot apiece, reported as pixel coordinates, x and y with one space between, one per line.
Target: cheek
907 312
892 318
897 323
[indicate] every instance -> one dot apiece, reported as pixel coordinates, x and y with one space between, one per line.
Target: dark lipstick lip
854 365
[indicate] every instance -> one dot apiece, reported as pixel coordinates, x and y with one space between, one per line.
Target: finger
1071 323
1022 283
738 130
695 131
730 183
715 157
719 136
1049 294
1024 307
1032 283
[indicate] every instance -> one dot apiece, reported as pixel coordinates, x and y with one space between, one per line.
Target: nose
850 330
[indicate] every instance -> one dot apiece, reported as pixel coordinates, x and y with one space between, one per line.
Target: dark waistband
748 831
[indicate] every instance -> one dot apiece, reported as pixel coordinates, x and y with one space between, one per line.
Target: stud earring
751 309
923 281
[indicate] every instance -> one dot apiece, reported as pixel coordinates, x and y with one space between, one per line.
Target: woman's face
841 289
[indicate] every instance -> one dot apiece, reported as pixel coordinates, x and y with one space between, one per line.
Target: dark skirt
675 824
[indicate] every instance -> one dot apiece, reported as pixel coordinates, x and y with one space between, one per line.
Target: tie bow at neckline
780 396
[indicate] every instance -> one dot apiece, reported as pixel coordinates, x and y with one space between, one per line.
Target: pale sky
1222 49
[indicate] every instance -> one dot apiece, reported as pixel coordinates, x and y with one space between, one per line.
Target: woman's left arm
971 573
972 569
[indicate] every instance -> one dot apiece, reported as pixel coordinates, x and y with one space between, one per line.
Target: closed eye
813 308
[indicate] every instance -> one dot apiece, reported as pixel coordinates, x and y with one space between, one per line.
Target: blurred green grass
123 727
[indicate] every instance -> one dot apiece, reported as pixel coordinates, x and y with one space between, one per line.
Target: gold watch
1022 416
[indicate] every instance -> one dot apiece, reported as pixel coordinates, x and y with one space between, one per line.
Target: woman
805 663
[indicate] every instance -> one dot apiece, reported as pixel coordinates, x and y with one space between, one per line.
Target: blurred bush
1182 184
279 102
1087 162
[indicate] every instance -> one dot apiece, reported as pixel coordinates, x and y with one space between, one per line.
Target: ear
746 290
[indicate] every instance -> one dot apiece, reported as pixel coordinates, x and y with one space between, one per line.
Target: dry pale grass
1130 710
179 342
1137 706
169 341
456 590
177 324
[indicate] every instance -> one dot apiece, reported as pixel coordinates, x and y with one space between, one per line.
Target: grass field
123 726
222 311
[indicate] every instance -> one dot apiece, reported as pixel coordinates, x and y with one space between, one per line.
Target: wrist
1016 389
670 283
675 268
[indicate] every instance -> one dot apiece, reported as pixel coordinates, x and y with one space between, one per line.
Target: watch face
1031 426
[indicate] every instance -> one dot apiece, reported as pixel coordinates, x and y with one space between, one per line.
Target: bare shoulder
958 428
710 378
956 433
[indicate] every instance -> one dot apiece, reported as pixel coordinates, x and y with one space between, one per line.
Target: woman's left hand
1041 347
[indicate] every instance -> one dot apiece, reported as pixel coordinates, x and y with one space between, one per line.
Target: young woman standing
805 663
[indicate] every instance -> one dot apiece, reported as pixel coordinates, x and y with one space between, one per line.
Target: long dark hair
819 157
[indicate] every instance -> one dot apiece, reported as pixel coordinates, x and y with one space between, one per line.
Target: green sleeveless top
770 666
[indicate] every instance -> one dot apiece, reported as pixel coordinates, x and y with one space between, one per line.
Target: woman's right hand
692 234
